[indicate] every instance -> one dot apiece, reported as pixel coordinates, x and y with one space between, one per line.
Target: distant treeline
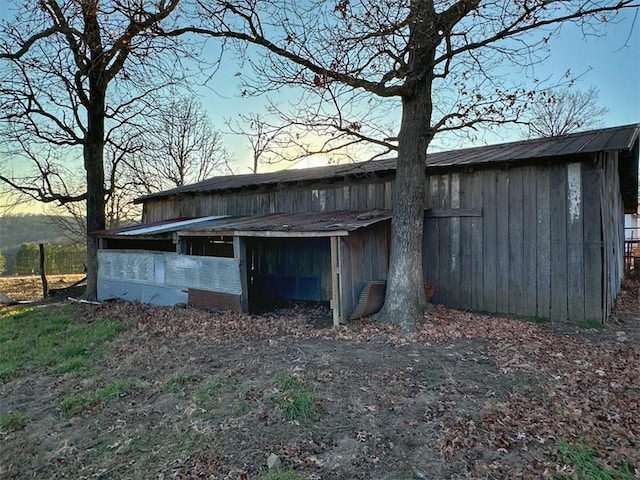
16 230
62 258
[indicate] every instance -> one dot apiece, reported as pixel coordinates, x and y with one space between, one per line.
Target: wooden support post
240 253
43 276
335 282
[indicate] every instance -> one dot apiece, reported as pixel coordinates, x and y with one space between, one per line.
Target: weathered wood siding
548 243
538 248
363 257
364 195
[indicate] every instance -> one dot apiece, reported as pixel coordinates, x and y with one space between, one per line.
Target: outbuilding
533 228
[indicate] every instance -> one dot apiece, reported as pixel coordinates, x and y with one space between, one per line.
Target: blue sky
611 63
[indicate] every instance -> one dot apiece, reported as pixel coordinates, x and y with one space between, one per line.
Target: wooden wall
363 257
537 249
367 194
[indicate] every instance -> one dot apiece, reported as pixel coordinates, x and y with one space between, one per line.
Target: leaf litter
467 396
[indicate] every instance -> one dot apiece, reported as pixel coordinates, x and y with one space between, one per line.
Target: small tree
565 111
178 145
73 74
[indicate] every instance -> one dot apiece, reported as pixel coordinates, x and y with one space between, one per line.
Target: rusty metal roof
605 139
275 224
291 224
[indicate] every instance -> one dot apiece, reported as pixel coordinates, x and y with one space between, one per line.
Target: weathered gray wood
516 239
431 254
490 241
502 241
336 306
575 239
444 243
593 242
455 278
240 254
477 259
543 243
465 296
558 183
530 224
453 212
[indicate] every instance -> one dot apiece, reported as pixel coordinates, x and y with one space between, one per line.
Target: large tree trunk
94 167
405 300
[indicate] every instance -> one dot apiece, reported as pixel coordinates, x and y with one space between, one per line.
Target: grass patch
282 475
242 407
211 388
12 422
541 320
178 383
590 324
44 337
295 401
78 404
586 463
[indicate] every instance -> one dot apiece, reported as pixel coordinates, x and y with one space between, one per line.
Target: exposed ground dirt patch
470 396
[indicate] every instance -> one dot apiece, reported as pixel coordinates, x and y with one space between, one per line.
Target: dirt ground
469 396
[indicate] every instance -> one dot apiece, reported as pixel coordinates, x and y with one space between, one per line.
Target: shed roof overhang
323 224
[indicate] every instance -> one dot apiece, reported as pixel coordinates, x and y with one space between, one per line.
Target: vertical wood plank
477 240
558 184
455 279
490 241
593 241
516 248
444 243
529 262
240 253
575 239
543 243
431 242
502 241
336 307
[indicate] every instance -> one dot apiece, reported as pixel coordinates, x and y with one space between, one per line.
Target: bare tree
178 146
73 72
267 141
565 111
444 62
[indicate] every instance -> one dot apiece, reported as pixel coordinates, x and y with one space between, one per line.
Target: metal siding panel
137 292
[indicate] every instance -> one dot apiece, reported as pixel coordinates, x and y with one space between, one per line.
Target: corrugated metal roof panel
168 226
605 139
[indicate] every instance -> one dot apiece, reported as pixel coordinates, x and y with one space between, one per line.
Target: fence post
43 275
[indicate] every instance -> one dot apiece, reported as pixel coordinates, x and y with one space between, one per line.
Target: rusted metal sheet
213 300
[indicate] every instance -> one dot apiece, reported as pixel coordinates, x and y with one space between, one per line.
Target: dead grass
30 287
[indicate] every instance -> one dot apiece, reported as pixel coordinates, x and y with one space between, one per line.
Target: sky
611 63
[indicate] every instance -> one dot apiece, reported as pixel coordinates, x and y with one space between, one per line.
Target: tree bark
94 167
405 300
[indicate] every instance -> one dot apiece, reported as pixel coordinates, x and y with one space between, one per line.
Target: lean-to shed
247 263
532 228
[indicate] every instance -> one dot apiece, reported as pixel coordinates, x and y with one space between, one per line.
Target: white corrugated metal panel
171 226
